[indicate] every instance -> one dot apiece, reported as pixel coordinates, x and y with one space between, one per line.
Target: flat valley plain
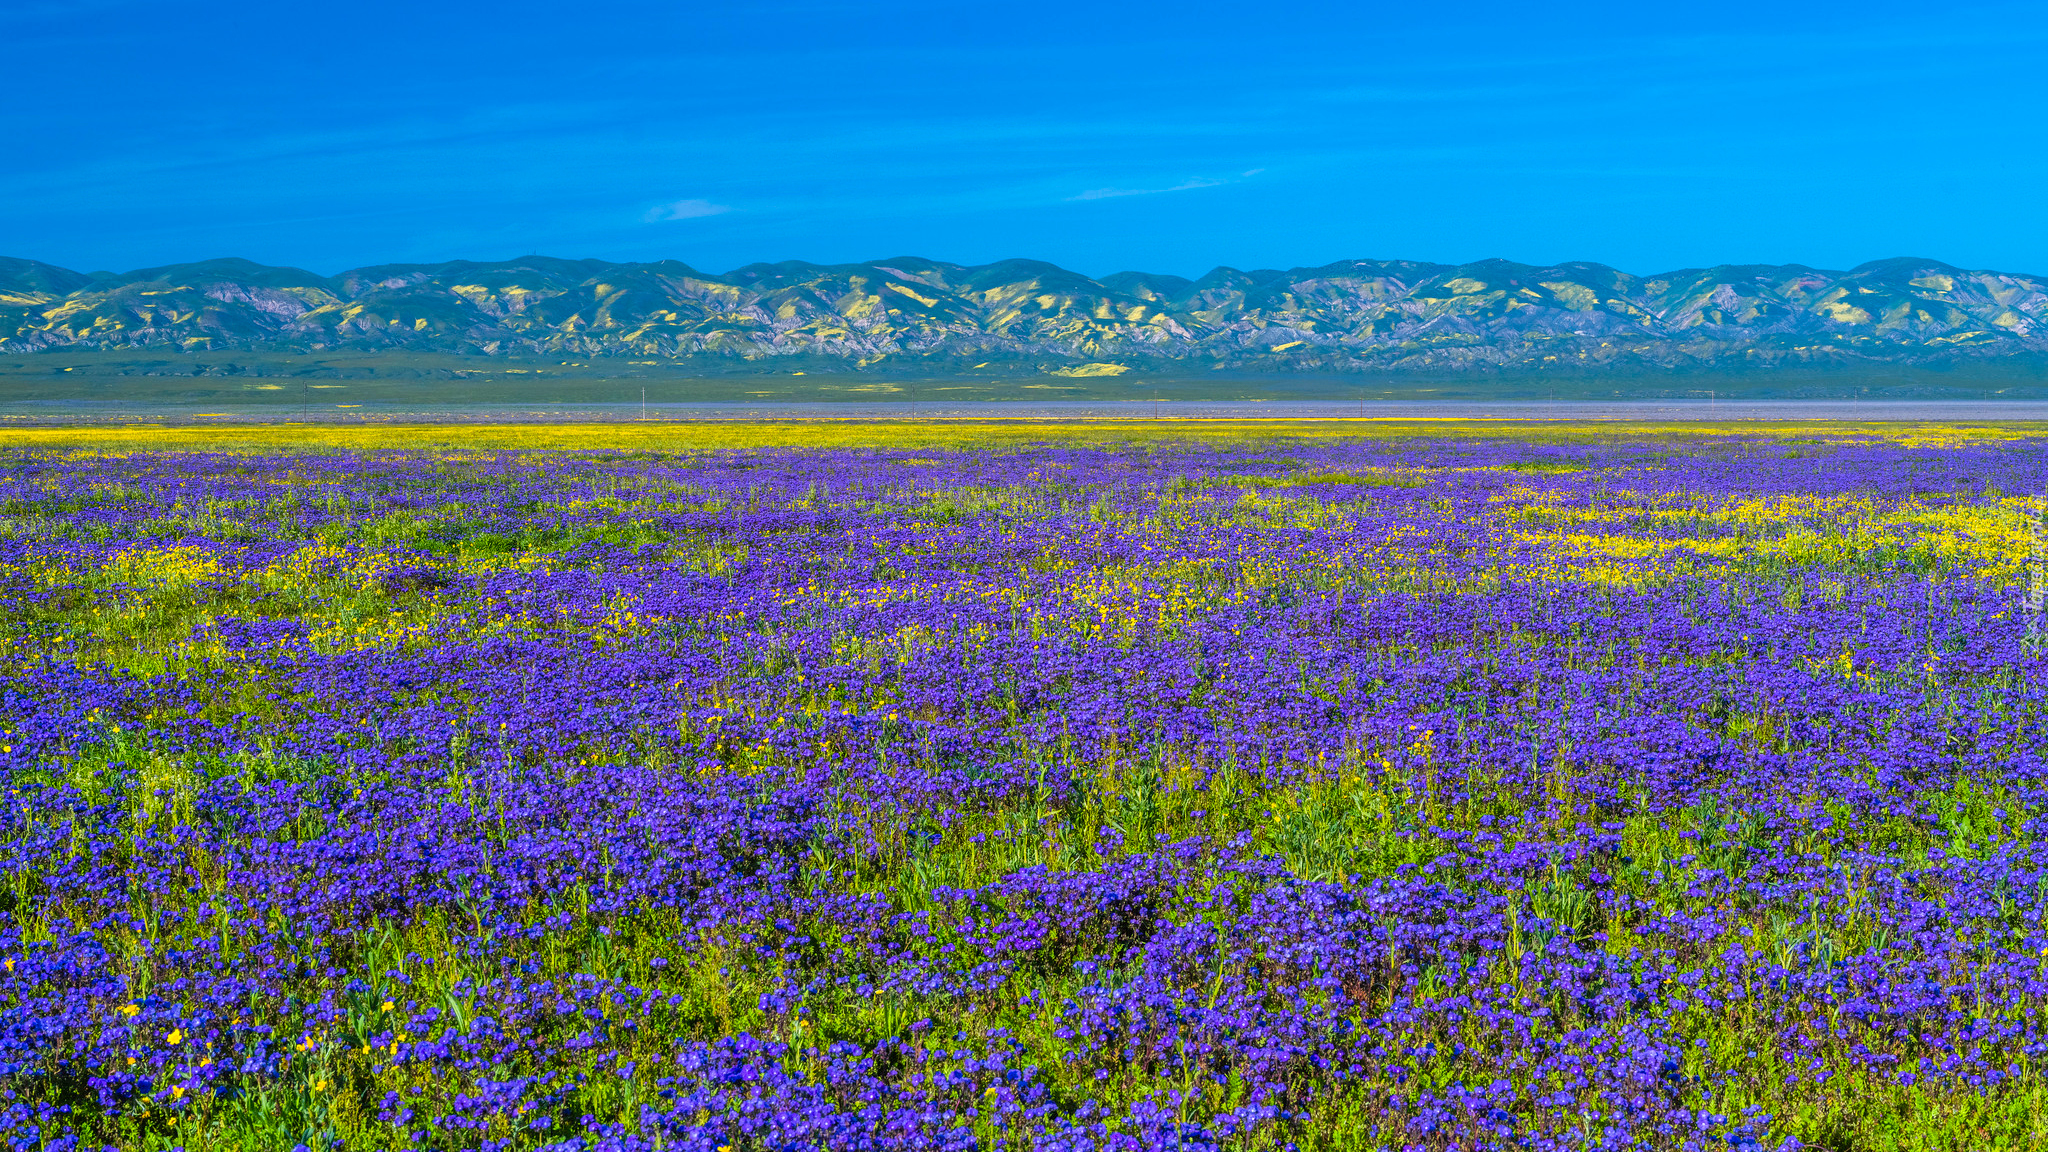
323 386
1212 785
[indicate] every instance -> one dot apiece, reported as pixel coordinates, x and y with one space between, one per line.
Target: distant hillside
1352 316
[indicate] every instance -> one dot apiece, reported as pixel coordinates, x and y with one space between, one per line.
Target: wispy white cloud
683 210
1112 193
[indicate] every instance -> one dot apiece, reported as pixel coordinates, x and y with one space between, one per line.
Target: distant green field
329 382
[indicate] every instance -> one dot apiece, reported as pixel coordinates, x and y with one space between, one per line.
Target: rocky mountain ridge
1354 315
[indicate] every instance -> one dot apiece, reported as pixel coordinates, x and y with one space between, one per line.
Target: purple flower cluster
1446 793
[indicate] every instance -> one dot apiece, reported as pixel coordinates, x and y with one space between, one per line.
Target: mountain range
1351 316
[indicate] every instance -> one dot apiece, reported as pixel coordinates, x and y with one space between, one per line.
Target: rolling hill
908 313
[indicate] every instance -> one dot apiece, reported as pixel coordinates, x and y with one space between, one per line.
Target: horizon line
884 261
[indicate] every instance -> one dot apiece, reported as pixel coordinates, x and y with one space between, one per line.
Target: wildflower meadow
1455 789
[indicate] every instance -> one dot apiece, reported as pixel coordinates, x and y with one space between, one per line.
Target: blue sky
1164 138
